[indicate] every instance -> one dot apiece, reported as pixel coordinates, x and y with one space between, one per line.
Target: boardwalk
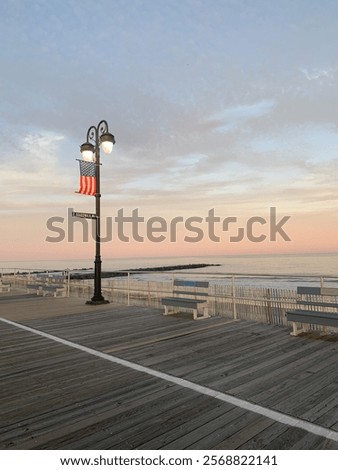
75 376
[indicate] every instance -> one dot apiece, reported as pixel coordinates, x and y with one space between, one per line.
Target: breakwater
122 273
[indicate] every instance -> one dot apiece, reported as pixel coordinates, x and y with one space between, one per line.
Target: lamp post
90 150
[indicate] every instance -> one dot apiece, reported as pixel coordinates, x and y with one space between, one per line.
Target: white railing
228 295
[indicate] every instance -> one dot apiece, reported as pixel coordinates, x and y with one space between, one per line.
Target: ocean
286 270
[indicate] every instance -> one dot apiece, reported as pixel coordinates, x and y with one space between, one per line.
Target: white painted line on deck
246 405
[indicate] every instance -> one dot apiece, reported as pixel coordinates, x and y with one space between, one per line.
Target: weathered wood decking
54 396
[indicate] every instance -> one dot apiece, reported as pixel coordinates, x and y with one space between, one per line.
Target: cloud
236 118
315 73
33 176
309 142
242 113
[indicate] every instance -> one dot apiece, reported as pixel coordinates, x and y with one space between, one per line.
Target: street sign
84 215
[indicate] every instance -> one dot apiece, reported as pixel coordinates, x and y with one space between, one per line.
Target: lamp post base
97 302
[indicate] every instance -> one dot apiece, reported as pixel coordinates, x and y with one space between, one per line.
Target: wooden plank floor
57 397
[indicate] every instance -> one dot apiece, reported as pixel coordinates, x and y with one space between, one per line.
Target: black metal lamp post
91 152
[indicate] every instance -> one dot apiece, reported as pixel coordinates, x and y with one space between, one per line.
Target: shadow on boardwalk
57 396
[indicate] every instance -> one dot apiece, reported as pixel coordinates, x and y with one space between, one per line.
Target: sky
222 110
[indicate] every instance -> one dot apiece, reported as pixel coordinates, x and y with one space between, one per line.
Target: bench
5 286
48 284
36 284
189 295
314 309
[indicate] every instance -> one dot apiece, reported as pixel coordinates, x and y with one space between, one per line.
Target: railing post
128 293
269 302
68 282
234 297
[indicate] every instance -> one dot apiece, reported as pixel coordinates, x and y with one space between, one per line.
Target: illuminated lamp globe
107 142
87 150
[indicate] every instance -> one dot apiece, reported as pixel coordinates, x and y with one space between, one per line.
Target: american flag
87 178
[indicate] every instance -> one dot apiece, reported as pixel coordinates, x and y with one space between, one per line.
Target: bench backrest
56 278
39 278
314 297
317 290
191 288
50 278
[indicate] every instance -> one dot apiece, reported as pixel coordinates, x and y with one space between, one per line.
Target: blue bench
5 286
314 309
48 284
188 295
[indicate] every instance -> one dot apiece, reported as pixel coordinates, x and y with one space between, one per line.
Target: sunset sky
230 105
